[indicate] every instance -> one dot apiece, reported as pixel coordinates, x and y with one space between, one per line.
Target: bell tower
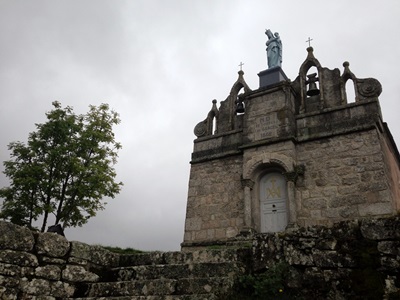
291 153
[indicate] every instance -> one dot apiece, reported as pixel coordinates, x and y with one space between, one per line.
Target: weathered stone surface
15 237
173 271
325 262
80 250
37 287
296 257
32 297
220 200
10 270
50 272
53 260
380 229
73 273
18 258
94 254
51 244
390 263
389 247
6 281
62 289
77 261
184 286
8 293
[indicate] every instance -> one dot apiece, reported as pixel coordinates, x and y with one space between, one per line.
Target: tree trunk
46 214
61 203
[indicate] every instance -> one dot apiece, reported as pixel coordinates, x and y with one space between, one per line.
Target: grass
120 250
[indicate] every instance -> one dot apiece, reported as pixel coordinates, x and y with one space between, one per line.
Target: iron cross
241 65
309 41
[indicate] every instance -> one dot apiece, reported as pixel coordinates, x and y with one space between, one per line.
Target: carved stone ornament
200 129
369 87
293 175
247 183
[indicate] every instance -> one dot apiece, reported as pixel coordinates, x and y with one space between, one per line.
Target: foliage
267 285
65 169
367 280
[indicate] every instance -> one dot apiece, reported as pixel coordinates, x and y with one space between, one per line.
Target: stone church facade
291 154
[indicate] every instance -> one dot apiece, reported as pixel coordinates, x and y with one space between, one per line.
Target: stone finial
205 127
365 88
310 51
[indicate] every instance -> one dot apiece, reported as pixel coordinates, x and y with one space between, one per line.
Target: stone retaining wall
351 260
46 264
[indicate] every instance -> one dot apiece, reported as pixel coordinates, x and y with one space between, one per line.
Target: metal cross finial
241 65
309 41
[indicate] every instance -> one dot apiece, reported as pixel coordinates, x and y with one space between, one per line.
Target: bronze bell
240 108
312 87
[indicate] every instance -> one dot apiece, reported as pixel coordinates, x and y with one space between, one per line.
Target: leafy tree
65 169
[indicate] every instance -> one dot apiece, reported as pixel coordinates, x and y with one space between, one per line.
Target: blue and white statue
274 49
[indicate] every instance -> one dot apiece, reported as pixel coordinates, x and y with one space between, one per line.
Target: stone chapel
291 154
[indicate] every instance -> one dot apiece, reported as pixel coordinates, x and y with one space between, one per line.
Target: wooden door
273 202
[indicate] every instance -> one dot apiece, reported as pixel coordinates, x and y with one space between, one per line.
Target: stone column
291 178
292 203
247 184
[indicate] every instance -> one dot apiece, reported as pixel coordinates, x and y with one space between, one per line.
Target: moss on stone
366 280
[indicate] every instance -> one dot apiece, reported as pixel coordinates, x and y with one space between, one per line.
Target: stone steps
165 258
159 287
168 297
173 271
195 275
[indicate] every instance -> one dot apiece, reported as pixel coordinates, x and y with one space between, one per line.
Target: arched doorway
273 202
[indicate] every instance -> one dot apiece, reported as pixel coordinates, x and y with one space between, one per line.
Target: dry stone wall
351 260
46 265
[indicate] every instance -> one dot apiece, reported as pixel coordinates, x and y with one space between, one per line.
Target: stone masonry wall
269 115
345 178
45 265
351 260
215 200
390 154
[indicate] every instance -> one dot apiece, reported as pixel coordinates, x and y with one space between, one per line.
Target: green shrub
266 285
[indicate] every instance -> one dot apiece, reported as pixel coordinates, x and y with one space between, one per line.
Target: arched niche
312 90
349 85
258 176
350 94
309 63
240 105
228 116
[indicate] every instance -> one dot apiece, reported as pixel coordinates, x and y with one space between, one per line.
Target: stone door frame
253 171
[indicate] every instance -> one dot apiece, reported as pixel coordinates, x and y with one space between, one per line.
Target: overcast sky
160 64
